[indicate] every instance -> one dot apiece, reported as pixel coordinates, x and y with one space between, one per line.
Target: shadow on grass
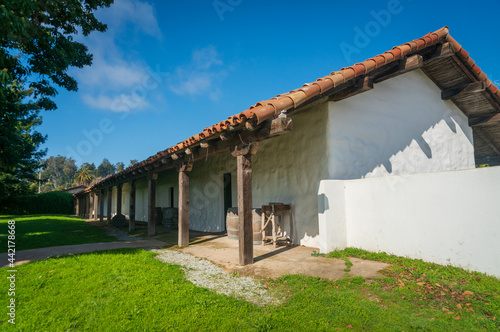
41 231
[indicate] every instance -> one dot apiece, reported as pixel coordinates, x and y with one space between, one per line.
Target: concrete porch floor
269 262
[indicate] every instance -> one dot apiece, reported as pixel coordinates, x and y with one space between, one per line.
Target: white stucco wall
286 169
206 192
141 200
447 218
164 182
400 127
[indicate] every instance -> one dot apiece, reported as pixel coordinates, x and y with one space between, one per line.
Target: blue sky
165 70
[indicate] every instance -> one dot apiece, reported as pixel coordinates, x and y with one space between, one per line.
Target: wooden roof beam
443 51
475 87
487 140
268 129
485 120
406 65
363 85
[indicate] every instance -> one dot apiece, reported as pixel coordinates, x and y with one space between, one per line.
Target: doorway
227 195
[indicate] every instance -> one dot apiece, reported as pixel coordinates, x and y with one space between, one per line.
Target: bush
55 202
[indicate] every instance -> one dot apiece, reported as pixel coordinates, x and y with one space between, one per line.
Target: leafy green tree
37 48
84 177
105 168
133 162
59 172
119 167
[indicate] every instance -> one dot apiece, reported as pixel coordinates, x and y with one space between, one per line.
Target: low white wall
447 218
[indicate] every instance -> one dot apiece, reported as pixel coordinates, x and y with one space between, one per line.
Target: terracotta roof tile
455 44
348 73
370 64
359 69
464 53
405 49
312 90
396 52
269 108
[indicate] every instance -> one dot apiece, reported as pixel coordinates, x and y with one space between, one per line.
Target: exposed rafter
406 65
487 139
363 85
474 87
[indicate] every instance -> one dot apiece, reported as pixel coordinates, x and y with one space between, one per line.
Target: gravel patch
205 274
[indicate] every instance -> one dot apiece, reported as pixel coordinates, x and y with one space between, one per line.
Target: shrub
55 202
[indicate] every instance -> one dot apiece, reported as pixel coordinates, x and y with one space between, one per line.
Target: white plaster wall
126 200
105 200
447 218
400 127
288 169
206 192
165 181
113 202
141 200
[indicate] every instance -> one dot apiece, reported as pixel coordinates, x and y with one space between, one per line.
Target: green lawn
129 290
41 231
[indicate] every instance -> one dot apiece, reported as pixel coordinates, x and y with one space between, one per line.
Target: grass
41 231
129 290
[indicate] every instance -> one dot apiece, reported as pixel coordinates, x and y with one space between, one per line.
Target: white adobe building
422 107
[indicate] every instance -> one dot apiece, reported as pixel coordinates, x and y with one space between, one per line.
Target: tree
133 162
105 168
85 177
119 167
58 172
37 48
85 174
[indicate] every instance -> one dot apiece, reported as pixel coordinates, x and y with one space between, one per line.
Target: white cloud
200 75
118 103
141 14
206 58
115 75
111 76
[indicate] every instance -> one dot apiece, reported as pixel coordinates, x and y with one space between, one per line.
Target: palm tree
84 177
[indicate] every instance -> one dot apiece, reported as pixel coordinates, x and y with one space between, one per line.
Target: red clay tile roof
268 109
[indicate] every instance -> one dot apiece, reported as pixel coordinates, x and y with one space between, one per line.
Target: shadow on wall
400 127
322 203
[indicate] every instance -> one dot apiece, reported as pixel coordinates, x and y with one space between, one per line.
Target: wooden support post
110 195
77 206
101 206
131 222
119 198
152 203
184 170
244 175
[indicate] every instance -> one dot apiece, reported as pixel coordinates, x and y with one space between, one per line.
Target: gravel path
205 274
